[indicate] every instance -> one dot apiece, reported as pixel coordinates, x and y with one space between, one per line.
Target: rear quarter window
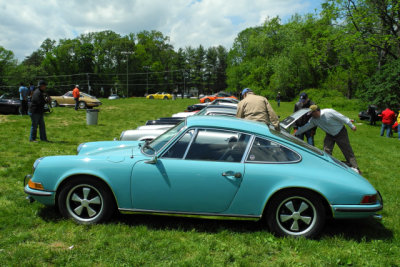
267 151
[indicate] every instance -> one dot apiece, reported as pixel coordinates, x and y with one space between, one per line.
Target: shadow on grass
358 229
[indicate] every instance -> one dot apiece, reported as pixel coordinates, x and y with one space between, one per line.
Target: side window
69 94
269 151
218 145
177 151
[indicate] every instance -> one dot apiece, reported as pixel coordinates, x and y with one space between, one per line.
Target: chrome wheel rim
53 103
84 203
296 215
82 105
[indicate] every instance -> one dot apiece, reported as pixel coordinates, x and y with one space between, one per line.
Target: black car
372 110
9 104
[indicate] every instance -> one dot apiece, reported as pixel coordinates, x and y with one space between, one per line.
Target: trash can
92 116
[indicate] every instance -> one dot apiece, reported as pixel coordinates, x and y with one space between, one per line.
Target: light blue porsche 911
219 167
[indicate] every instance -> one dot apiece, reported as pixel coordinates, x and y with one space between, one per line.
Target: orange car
209 98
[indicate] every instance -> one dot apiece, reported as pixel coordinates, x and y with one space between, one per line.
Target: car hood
288 122
110 148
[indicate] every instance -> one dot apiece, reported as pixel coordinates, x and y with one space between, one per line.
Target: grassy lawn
33 235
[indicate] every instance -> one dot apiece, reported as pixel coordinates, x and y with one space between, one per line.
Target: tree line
351 48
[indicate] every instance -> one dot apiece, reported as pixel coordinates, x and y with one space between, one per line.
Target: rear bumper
355 211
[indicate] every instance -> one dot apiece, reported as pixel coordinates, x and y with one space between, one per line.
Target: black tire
151 97
165 98
86 201
82 104
296 213
54 104
207 100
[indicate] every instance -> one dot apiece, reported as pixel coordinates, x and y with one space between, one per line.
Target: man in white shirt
332 122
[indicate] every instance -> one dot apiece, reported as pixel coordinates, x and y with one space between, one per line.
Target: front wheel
54 104
296 213
86 201
82 105
165 98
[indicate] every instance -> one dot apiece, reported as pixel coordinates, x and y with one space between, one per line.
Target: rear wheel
82 105
296 213
165 98
86 201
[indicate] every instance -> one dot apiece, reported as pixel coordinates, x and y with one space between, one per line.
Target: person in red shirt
388 117
76 94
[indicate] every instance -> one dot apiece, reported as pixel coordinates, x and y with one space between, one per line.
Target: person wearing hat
304 102
256 108
76 94
36 111
332 122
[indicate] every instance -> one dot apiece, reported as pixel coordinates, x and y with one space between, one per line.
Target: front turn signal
33 185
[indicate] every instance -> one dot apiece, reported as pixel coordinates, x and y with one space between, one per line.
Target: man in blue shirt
23 96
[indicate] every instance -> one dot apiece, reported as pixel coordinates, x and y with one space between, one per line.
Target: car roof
232 123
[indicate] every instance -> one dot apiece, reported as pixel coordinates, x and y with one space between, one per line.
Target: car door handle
231 173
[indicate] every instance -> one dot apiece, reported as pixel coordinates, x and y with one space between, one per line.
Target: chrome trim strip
191 214
247 150
366 209
37 193
196 130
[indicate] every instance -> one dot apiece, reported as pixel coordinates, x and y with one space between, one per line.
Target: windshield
287 136
154 146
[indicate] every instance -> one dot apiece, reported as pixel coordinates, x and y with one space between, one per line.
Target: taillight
369 199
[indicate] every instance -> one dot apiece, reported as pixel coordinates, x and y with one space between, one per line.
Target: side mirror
152 161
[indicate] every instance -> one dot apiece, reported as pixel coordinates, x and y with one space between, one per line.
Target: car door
200 173
68 99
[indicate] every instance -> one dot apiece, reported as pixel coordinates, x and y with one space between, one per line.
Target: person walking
332 122
256 108
388 118
278 99
76 94
304 102
36 112
23 97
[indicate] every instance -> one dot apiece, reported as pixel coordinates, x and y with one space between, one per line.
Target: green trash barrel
92 116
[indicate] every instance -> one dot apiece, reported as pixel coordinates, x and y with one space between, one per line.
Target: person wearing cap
256 108
76 94
278 99
304 102
332 122
36 111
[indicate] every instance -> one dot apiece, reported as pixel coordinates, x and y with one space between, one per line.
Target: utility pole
127 65
147 79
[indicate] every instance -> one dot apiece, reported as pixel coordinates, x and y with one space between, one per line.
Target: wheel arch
324 201
80 175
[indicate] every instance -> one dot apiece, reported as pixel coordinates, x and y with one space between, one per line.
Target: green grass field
34 235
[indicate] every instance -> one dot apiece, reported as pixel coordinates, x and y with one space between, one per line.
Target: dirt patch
5 118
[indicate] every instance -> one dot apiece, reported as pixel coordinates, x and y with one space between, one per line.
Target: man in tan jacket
256 108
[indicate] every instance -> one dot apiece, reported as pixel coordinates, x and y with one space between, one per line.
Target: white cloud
24 24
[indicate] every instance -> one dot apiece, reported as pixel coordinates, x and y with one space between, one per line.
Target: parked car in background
218 101
85 100
210 98
163 95
365 115
9 104
218 167
157 127
113 97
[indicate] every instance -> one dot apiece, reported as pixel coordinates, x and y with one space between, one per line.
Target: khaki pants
343 142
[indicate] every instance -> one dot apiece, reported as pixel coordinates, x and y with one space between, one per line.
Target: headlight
79 148
36 163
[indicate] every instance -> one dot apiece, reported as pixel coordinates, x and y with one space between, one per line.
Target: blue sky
25 24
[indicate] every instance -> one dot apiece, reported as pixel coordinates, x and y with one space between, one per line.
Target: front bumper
42 196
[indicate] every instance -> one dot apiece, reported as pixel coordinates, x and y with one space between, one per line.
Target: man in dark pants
304 102
332 122
76 94
23 96
36 112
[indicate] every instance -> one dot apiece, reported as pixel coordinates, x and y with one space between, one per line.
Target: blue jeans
308 135
37 119
76 103
398 130
387 128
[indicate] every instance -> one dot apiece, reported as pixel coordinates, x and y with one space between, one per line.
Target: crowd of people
257 108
